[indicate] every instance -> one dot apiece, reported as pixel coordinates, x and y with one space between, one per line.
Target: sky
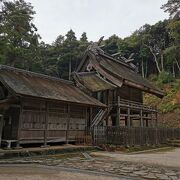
95 17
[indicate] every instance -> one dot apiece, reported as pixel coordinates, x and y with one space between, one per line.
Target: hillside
169 106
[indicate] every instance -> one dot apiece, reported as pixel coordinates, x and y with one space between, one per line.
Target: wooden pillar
147 124
46 124
118 112
141 118
1 127
152 120
86 117
20 124
90 116
156 119
68 121
129 118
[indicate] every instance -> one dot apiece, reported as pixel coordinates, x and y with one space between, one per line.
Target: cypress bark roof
93 82
26 83
116 71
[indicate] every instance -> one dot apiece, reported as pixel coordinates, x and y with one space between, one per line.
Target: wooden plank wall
129 93
51 122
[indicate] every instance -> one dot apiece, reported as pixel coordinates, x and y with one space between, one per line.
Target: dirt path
104 166
34 172
170 158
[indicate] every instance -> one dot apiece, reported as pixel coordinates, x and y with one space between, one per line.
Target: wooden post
19 125
156 120
129 118
90 116
152 120
1 127
46 124
118 112
147 123
68 121
86 117
141 118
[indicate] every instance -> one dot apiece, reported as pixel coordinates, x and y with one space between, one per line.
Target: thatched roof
26 83
116 71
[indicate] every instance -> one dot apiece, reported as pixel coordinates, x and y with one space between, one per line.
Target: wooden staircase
174 142
100 116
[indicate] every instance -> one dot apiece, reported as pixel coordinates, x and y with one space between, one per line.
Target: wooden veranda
130 111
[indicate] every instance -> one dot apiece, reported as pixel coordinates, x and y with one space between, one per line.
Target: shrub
165 77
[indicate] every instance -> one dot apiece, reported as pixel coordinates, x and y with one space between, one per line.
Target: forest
155 48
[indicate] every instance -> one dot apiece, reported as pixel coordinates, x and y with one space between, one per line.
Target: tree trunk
146 69
177 64
155 58
142 68
70 70
174 75
162 61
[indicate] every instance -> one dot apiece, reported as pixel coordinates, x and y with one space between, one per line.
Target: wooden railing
133 136
133 105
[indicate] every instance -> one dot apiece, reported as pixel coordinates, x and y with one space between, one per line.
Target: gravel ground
103 165
169 159
44 173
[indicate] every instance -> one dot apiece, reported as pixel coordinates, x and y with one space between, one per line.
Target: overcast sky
95 17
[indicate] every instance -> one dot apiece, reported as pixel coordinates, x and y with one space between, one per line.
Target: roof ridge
86 73
94 48
5 67
116 60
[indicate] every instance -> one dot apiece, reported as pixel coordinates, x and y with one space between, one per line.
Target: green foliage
153 78
165 77
84 38
172 7
19 39
170 103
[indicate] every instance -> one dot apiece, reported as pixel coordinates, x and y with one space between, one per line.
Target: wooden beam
20 124
156 119
100 40
129 60
118 113
141 118
68 121
116 54
152 120
90 116
129 118
1 127
46 124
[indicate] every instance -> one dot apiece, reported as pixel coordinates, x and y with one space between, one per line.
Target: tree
18 33
84 38
156 40
172 7
111 44
59 41
70 36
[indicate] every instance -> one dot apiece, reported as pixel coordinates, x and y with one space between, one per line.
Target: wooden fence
133 136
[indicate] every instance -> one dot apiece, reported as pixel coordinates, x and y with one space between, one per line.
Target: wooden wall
125 92
55 121
129 93
11 122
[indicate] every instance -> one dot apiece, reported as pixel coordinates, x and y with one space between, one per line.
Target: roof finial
100 40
